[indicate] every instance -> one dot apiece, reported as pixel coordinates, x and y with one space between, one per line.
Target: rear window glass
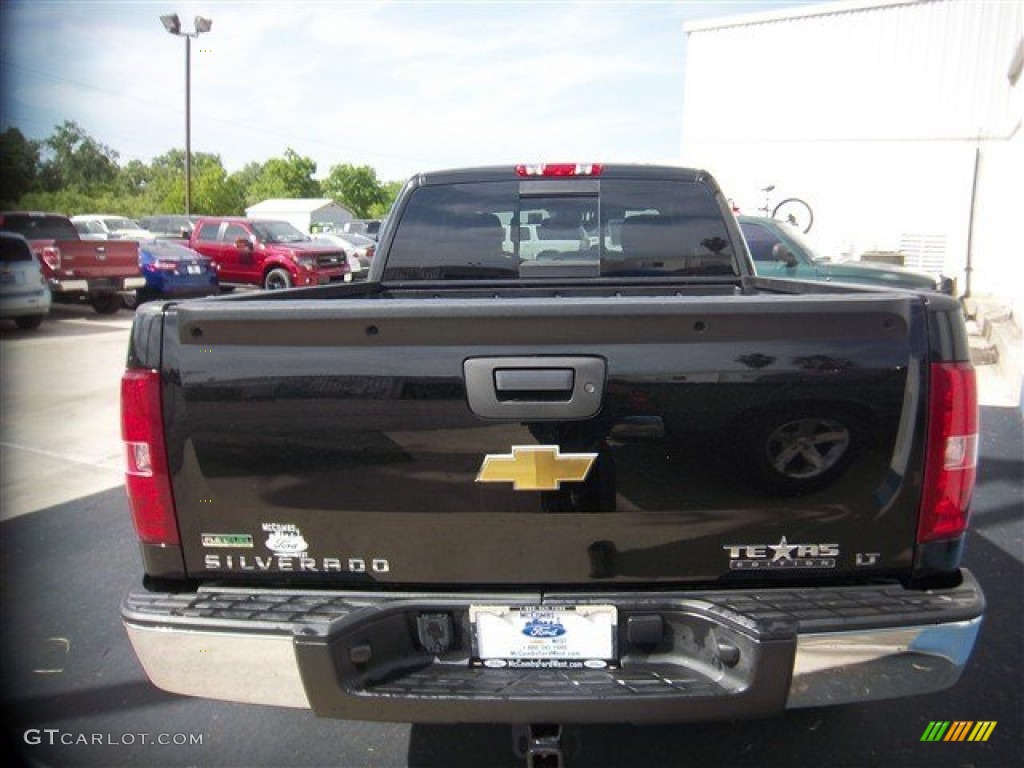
233 232
40 227
170 225
89 228
116 224
208 231
623 228
12 249
162 249
759 240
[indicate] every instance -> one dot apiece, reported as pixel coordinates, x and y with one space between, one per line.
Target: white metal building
302 213
899 121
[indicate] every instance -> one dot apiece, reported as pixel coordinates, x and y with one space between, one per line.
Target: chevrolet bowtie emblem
536 468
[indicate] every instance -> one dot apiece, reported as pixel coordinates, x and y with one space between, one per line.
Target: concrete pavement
59 418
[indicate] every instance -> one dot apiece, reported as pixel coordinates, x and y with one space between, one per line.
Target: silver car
358 249
24 296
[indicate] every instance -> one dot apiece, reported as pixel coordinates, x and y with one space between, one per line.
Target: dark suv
168 225
367 227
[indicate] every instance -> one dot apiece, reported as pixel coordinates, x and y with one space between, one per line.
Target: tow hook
540 744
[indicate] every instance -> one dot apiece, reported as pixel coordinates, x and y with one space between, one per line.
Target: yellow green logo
958 730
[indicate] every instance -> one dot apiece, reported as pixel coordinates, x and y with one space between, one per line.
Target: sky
402 87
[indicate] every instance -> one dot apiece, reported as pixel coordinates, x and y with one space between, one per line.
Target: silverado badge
536 468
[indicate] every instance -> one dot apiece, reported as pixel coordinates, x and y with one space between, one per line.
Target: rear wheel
107 304
276 279
29 322
132 300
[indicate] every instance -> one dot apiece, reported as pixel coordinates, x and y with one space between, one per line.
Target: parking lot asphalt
60 394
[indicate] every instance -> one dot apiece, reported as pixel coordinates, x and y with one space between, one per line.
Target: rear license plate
194 269
548 637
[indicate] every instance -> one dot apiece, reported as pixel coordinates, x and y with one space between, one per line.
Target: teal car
779 250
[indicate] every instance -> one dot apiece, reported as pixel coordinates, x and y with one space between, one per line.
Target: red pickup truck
93 271
270 254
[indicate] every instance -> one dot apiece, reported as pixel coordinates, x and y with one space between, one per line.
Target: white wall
865 195
332 214
872 112
998 243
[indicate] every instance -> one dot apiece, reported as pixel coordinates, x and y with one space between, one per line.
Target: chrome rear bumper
846 667
354 655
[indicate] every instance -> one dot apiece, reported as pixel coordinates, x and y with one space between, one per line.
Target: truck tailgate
94 259
678 439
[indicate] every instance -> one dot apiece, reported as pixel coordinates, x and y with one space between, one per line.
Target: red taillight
951 457
560 169
165 266
51 257
147 478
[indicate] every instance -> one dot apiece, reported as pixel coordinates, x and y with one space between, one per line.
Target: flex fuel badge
227 540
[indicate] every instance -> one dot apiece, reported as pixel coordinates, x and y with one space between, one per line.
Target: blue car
173 271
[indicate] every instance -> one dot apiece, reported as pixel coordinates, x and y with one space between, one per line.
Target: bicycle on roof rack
792 210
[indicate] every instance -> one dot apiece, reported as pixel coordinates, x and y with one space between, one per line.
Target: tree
133 178
72 172
213 191
355 187
287 177
390 190
75 159
247 177
19 166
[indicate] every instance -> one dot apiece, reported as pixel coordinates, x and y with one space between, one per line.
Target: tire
107 304
795 211
277 279
132 300
799 451
29 322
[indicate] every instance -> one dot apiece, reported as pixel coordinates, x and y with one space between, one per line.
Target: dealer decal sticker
285 539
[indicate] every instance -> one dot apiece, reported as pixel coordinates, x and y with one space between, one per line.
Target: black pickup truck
621 480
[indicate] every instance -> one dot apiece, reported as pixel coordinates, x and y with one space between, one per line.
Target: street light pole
188 125
173 25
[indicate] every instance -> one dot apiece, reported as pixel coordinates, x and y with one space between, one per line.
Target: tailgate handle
524 382
535 388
